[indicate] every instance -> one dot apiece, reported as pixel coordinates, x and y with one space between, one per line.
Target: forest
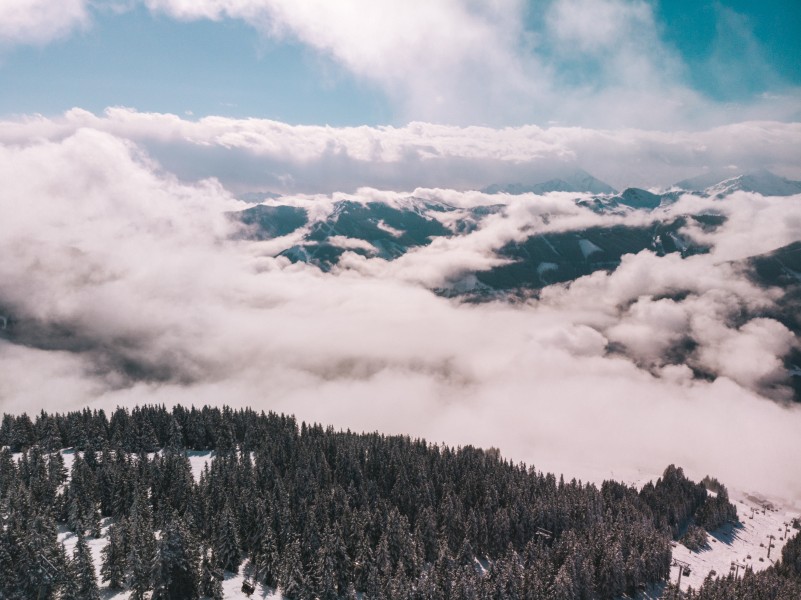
330 514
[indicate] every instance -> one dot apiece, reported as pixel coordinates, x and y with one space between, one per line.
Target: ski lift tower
771 537
684 569
735 568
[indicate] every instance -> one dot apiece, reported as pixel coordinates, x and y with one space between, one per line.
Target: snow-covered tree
176 568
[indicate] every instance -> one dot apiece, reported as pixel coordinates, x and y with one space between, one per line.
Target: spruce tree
210 577
176 568
292 580
226 547
113 563
83 572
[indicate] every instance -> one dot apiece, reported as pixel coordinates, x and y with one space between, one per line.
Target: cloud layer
258 154
124 286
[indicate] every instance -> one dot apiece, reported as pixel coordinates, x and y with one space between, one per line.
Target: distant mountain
638 198
701 182
267 222
762 182
781 269
578 182
388 230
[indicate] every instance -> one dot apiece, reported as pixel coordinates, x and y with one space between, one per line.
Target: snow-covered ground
746 543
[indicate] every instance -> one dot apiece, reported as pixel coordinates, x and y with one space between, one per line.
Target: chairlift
686 571
248 588
714 573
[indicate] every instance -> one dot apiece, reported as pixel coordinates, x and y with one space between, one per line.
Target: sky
130 129
615 63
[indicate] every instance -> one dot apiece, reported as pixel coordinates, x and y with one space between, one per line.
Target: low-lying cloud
125 284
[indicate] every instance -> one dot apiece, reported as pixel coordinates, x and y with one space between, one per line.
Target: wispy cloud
590 63
40 21
599 63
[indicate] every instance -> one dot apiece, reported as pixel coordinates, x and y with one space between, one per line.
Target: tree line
317 513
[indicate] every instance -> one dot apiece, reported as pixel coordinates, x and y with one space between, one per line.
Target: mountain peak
577 181
761 181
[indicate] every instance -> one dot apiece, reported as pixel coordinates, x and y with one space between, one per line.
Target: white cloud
249 154
123 287
448 60
599 25
40 21
582 62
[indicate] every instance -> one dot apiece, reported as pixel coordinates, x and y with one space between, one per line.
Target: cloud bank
123 285
259 154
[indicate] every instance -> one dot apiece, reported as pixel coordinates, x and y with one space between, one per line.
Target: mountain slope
578 181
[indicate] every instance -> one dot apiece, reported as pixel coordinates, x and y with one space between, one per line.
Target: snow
730 543
389 229
198 459
737 543
762 182
588 248
545 267
232 588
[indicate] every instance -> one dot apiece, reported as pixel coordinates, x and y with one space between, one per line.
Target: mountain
577 181
630 199
545 259
267 222
638 198
701 182
781 269
761 182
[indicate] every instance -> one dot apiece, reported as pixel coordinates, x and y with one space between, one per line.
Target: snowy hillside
744 543
734 546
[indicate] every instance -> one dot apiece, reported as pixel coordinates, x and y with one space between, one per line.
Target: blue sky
155 63
700 54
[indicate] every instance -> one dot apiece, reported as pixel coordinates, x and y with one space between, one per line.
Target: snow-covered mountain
577 181
390 229
761 182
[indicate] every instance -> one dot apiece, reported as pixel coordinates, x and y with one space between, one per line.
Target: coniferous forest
328 514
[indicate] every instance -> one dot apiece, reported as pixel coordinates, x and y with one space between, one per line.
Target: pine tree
175 573
141 545
210 577
292 580
83 572
267 560
113 564
325 575
226 547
